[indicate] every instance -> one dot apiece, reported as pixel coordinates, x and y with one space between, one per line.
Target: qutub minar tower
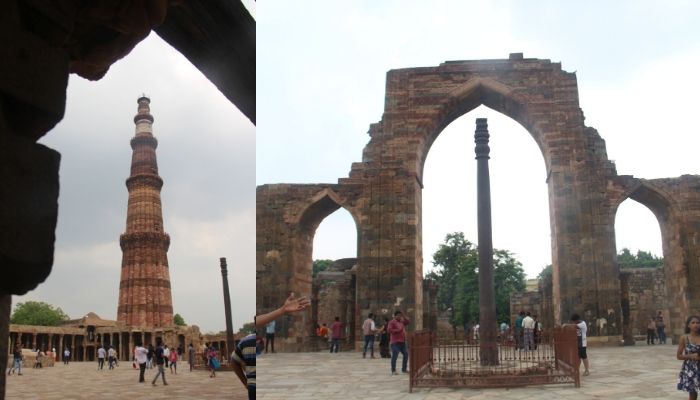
144 290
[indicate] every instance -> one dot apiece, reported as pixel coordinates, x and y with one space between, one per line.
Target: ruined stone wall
287 218
383 193
525 301
647 295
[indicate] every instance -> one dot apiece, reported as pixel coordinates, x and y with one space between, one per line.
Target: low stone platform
82 380
635 372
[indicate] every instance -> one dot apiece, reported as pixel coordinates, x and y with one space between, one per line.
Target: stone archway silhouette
385 188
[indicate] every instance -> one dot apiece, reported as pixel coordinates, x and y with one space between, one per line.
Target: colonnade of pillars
78 344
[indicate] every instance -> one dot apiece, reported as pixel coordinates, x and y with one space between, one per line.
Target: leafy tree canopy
37 313
320 265
179 321
456 273
248 327
546 271
643 259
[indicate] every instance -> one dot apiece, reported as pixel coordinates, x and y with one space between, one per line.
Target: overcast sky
321 79
206 158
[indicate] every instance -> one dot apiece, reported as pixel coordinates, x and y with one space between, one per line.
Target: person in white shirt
140 353
528 332
111 356
368 329
581 330
101 354
166 355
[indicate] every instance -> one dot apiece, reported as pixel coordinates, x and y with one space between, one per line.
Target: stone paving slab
635 372
82 380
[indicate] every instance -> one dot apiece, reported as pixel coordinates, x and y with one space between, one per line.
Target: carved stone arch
320 206
658 201
475 92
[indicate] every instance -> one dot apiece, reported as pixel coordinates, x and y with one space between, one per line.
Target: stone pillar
227 306
72 348
5 306
59 350
487 297
33 340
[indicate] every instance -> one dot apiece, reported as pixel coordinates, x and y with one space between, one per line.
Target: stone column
227 306
33 340
59 350
487 297
5 306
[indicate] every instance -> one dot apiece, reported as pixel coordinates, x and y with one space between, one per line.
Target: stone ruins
383 195
145 309
42 43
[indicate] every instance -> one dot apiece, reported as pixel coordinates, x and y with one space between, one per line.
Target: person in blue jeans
397 339
660 328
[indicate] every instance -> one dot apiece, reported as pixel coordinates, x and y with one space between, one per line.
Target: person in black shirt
160 362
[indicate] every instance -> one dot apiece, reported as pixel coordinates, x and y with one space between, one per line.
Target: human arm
291 305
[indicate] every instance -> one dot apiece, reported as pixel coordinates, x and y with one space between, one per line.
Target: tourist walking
111 357
159 357
149 356
166 355
397 332
270 336
537 333
140 358
528 325
519 330
688 349
101 354
212 362
384 340
581 330
66 356
173 361
243 362
16 360
503 330
368 329
336 334
661 328
190 356
651 331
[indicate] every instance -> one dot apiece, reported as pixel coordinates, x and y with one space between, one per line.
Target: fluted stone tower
144 289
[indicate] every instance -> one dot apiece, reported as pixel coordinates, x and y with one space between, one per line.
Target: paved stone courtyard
82 380
637 372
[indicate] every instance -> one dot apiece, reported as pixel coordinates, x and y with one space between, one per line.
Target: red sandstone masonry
145 298
383 193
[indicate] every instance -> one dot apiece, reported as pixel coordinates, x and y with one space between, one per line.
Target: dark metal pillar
227 308
487 298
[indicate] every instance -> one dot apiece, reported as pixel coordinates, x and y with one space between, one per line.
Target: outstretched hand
294 304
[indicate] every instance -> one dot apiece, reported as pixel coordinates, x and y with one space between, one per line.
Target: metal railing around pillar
438 362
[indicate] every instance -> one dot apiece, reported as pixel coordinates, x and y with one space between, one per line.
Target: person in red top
397 332
336 330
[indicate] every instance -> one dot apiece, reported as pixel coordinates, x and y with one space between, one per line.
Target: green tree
320 265
179 321
456 273
248 327
37 313
546 271
643 259
509 278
